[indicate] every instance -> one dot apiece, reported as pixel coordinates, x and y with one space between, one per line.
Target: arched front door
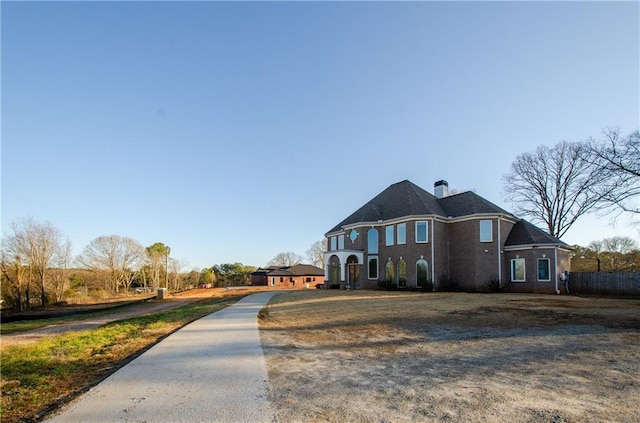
353 278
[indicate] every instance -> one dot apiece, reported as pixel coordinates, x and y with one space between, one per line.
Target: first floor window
422 272
517 270
273 281
373 267
543 270
390 271
402 273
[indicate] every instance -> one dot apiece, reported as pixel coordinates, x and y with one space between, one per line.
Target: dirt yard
373 356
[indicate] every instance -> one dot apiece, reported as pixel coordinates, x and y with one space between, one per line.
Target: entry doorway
353 278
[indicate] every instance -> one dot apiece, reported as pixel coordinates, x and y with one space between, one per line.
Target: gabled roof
398 200
525 233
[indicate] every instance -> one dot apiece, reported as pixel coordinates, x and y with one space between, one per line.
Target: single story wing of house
299 275
406 237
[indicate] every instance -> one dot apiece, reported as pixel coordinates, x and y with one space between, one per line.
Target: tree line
38 268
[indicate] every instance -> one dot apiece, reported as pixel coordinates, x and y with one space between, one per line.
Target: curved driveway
212 370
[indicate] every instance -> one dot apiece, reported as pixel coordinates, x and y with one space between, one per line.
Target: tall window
422 232
372 241
340 242
543 270
517 270
402 233
389 235
390 271
402 273
373 267
486 231
333 243
422 272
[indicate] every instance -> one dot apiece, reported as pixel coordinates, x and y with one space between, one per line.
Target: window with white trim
340 242
517 270
486 231
389 238
544 264
333 244
372 241
422 232
402 233
373 267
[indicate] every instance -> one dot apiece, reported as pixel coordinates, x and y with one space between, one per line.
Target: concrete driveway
212 370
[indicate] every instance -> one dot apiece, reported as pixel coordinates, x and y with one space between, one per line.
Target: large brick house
411 238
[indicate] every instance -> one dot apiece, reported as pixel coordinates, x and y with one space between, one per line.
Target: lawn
375 356
39 376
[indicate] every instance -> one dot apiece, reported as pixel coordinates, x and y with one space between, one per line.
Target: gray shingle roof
525 233
468 203
405 199
398 200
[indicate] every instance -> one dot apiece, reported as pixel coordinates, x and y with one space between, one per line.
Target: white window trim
548 269
490 230
369 232
386 235
369 267
340 242
524 268
426 238
398 233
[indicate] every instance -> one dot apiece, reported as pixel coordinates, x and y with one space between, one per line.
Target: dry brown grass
374 356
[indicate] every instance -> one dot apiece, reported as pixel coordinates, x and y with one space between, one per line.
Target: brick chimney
441 189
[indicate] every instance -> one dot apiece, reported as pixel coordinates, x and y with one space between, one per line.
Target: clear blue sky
234 131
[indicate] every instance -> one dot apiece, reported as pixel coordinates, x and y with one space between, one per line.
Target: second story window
340 242
402 233
421 232
389 238
372 241
333 244
486 231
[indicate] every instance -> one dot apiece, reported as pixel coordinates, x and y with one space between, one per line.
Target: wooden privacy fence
623 283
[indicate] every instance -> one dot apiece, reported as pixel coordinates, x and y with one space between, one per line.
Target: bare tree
553 186
36 243
118 257
175 267
60 272
285 259
597 247
15 281
618 159
315 253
